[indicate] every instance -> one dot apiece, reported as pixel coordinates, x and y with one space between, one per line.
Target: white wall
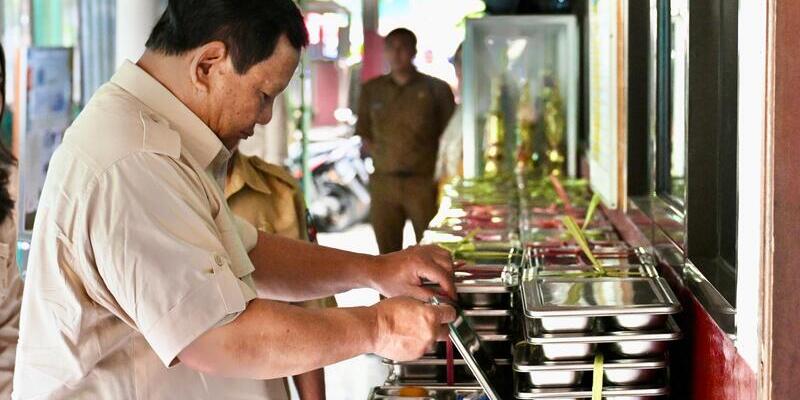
135 20
751 160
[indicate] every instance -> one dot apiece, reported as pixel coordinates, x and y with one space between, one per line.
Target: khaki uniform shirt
404 123
134 254
268 197
10 299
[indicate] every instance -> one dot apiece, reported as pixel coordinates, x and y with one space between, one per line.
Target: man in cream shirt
141 283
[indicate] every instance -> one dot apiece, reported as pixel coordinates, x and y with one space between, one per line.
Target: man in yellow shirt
269 198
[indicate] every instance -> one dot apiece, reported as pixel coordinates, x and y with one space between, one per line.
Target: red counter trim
705 364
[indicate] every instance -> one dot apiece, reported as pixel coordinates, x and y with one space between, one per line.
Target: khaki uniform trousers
397 198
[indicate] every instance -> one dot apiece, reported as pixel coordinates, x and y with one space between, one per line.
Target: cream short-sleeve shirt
134 254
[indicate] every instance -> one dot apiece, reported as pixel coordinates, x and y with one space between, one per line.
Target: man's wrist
369 321
369 271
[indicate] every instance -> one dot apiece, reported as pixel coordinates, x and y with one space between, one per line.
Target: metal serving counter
547 310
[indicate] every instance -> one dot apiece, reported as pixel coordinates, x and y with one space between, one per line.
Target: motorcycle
339 196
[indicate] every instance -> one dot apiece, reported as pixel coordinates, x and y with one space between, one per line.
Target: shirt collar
244 174
196 137
415 75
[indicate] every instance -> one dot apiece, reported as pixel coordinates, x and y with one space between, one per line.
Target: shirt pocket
421 113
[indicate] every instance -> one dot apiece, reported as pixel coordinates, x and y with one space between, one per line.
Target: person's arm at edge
294 270
273 339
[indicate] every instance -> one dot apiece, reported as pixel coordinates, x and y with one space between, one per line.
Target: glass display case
520 95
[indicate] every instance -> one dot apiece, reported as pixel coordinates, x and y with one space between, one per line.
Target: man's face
399 53
237 103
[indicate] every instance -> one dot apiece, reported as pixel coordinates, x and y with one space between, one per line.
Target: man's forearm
292 270
272 340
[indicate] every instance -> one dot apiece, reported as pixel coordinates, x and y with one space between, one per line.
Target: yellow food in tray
412 391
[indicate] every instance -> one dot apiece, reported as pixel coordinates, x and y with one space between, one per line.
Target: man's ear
209 59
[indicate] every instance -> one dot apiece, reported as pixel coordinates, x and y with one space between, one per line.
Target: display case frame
477 65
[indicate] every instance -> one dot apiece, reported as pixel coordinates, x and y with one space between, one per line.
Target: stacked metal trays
535 370
486 280
432 392
611 393
486 293
433 370
571 314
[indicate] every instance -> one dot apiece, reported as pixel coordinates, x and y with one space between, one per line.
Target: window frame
699 233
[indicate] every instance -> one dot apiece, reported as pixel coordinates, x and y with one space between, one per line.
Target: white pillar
135 20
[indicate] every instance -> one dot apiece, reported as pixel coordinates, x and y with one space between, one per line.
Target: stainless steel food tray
427 370
582 345
474 282
435 392
498 345
532 367
563 296
532 235
572 255
488 320
633 270
523 391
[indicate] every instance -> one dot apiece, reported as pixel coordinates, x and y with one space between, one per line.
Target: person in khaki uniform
268 197
401 117
10 282
141 282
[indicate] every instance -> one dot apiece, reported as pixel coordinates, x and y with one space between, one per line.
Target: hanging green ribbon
577 235
597 377
464 244
590 212
465 249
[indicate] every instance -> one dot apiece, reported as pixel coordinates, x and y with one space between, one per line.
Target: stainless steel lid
478 359
545 296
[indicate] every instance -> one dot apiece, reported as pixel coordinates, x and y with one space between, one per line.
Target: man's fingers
422 294
441 258
447 313
445 263
443 334
442 278
438 249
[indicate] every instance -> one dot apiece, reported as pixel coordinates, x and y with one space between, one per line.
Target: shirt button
218 259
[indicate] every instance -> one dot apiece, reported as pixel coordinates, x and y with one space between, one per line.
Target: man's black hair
404 34
250 29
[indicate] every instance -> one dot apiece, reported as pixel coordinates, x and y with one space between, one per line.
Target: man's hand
407 328
402 273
